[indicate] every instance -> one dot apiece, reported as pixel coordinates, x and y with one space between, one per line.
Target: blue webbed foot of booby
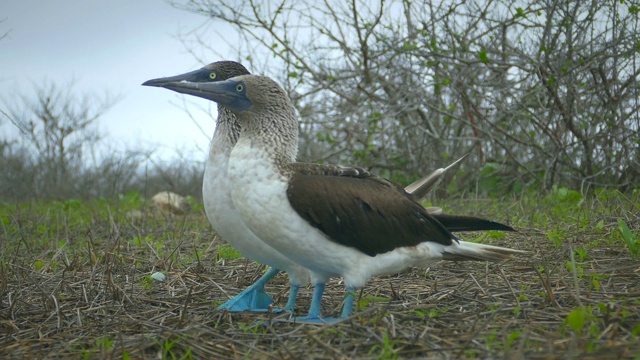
315 320
253 298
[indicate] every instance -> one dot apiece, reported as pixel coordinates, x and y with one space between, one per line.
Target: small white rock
171 203
158 276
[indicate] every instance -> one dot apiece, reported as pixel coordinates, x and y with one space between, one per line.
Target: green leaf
482 55
625 231
628 238
434 44
519 12
38 264
575 319
551 80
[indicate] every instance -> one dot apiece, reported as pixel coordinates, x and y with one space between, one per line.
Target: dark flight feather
456 223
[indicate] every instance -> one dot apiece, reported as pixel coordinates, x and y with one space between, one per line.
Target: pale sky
109 46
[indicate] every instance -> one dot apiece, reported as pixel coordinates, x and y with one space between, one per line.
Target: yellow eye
239 87
212 76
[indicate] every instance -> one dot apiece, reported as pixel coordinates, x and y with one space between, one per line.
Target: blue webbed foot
253 298
315 320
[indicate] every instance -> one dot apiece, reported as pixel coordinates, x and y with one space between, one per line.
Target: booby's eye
212 75
239 87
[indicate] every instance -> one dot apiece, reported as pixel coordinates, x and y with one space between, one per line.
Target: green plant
571 266
579 317
471 353
490 235
557 236
253 328
226 252
516 311
629 239
367 300
386 350
581 253
147 282
511 339
564 201
131 200
427 313
103 346
491 338
167 348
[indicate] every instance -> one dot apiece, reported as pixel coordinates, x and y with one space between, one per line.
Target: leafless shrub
59 154
57 128
17 170
180 174
545 92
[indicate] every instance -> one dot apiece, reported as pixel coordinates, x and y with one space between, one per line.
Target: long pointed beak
222 92
214 91
195 83
192 76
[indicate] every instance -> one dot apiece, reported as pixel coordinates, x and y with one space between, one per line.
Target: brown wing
357 209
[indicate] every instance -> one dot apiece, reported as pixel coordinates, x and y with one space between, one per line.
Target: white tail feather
421 187
478 252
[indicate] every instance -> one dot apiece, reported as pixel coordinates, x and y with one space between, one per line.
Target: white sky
110 46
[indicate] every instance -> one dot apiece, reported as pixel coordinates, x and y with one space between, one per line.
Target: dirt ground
84 291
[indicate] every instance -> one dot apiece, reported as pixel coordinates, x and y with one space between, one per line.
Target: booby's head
214 72
261 106
242 94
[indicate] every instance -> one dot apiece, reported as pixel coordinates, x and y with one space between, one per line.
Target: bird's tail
455 223
468 251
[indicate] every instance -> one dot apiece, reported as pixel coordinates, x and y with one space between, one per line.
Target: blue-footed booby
296 172
216 195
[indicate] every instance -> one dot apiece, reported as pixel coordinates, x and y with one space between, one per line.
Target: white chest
257 189
259 194
216 191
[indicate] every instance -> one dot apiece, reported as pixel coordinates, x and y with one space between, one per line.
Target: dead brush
93 296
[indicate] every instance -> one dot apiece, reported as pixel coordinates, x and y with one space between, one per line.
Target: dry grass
78 286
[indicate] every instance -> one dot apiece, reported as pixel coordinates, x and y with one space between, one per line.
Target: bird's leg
253 298
293 294
347 309
314 315
316 301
